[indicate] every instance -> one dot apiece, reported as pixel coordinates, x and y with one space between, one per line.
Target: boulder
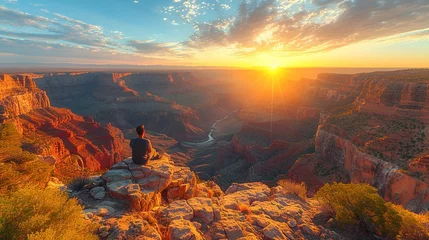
273 232
203 209
183 229
179 209
98 193
141 185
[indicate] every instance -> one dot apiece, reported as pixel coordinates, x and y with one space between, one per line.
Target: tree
42 214
359 204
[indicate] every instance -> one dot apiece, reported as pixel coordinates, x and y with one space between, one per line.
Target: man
141 147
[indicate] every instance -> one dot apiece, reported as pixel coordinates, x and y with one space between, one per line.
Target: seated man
141 147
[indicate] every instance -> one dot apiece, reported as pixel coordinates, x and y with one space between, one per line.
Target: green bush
42 214
360 205
19 168
10 140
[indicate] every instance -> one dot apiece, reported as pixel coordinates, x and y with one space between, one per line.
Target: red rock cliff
62 131
361 167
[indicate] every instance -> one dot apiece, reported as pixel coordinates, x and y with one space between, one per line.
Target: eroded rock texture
54 131
146 202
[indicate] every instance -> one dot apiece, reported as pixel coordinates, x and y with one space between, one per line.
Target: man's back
141 148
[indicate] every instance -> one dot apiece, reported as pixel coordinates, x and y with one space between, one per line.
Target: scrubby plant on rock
19 168
360 205
42 214
78 183
299 189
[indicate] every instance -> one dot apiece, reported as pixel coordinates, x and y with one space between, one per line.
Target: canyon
55 132
225 149
367 128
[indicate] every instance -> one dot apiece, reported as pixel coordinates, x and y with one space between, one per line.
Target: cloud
29 34
298 27
60 28
188 10
55 52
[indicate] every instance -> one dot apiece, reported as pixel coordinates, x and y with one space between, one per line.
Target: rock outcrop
54 131
141 186
393 185
379 138
163 201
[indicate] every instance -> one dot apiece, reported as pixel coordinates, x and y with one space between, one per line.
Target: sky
236 33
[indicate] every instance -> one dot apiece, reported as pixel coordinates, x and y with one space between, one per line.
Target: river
210 138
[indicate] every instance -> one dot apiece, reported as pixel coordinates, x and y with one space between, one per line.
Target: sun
272 68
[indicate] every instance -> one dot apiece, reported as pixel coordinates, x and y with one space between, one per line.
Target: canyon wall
56 132
379 138
361 167
125 100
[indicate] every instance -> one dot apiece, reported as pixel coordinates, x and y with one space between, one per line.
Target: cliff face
379 138
125 100
19 95
57 131
361 167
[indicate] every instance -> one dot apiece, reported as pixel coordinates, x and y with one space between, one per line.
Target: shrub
299 189
78 183
42 214
10 140
243 208
360 205
23 170
413 226
19 168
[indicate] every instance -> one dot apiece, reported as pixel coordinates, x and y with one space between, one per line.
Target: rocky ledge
164 201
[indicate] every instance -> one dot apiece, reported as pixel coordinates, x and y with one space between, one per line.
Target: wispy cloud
35 34
299 26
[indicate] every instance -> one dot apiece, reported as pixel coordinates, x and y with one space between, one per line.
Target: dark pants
143 161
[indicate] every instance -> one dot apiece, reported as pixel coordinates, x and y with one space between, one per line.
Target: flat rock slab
118 188
141 184
116 175
98 192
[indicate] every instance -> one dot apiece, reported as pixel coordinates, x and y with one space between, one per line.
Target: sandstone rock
292 223
245 193
117 188
116 175
182 229
273 232
141 185
232 229
313 231
209 189
203 209
98 192
179 209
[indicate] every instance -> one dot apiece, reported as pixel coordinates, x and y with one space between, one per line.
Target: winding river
211 140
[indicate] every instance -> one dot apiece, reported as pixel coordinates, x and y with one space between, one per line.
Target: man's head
140 130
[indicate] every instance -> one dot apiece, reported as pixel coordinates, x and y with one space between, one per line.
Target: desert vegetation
37 214
298 189
360 205
28 210
19 168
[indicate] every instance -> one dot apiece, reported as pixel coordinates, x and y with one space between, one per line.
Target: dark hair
140 129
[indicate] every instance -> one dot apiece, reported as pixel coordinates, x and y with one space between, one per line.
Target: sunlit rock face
58 131
20 95
162 201
127 100
379 138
